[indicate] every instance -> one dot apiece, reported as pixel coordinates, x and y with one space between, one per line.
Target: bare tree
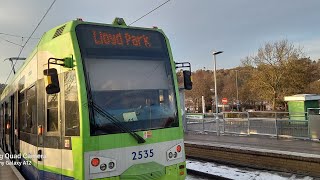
271 64
202 82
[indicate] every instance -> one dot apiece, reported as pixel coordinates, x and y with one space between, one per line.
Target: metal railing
276 124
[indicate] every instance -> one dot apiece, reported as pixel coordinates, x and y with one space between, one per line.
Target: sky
195 28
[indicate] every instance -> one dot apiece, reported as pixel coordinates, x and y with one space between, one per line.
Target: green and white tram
96 101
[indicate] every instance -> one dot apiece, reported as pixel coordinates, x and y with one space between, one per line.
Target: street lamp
214 53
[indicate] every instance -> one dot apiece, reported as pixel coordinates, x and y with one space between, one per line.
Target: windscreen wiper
116 122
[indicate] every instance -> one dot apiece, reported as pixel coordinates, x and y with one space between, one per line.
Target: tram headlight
175 152
178 148
111 165
95 162
103 167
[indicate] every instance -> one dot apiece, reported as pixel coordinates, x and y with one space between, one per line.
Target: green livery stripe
77 151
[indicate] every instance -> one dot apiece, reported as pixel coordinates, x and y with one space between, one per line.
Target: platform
288 155
8 172
262 142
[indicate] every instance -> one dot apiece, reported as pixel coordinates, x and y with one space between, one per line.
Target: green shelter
299 104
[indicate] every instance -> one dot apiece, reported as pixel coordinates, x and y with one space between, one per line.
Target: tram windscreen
130 77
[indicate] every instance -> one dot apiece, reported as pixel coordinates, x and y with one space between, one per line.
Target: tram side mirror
53 81
187 80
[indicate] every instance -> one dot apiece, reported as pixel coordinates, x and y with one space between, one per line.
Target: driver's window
71 104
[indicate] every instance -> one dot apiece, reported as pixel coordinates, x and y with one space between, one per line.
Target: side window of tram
22 106
71 105
1 120
22 111
31 110
1 115
6 117
27 110
52 112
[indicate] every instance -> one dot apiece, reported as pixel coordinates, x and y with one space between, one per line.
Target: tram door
11 125
49 142
15 123
41 95
7 126
1 126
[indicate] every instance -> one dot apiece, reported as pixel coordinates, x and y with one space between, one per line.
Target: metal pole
276 124
203 105
203 124
308 121
216 95
248 115
224 124
212 104
203 112
237 90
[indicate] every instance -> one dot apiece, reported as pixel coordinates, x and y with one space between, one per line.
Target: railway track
206 175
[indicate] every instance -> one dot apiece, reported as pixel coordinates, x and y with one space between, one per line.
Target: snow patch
238 174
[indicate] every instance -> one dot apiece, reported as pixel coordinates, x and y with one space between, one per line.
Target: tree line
278 69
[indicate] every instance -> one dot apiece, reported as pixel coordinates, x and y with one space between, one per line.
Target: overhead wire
47 13
11 42
143 17
18 36
150 12
30 37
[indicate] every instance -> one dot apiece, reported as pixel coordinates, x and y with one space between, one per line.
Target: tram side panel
53 112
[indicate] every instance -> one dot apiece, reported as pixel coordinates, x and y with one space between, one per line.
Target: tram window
21 97
52 101
22 111
31 92
21 83
6 117
52 112
41 95
22 106
1 120
9 111
1 115
71 105
31 111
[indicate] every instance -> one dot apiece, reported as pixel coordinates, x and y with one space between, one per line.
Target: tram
96 101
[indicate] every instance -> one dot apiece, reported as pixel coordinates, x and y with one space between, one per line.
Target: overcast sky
194 27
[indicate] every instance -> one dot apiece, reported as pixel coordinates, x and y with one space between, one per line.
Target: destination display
97 40
120 39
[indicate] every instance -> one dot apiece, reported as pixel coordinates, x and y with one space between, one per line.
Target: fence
277 124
